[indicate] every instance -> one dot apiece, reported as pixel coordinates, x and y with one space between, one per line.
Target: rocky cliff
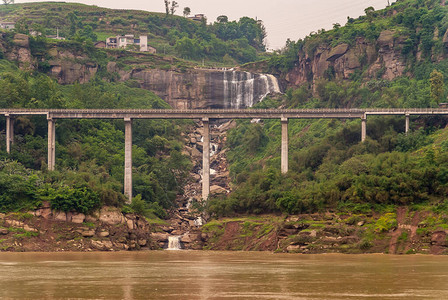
380 59
17 48
203 88
182 88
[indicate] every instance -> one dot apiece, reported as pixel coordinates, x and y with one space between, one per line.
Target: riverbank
402 231
396 232
47 230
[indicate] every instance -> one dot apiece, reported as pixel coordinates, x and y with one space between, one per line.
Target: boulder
337 52
167 228
130 224
195 153
190 238
77 218
111 216
102 245
159 236
217 190
59 216
142 242
104 233
88 233
4 231
44 212
293 248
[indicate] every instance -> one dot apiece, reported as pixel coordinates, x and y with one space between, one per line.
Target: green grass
27 234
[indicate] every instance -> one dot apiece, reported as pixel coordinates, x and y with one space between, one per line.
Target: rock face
381 58
18 50
203 88
184 89
68 69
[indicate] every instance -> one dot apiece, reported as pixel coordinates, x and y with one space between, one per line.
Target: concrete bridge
205 115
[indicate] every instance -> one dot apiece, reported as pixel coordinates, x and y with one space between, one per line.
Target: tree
174 5
187 11
167 7
6 2
437 85
369 13
222 19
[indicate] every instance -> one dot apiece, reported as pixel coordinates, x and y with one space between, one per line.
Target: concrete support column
51 144
206 160
406 128
363 129
128 159
284 151
9 133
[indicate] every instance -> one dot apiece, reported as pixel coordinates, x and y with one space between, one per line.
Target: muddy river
220 275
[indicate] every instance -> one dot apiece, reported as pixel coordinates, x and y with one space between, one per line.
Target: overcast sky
283 19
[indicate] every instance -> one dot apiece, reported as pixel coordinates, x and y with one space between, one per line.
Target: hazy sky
283 19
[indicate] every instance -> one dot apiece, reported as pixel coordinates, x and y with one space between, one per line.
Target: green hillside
329 167
90 153
223 41
396 57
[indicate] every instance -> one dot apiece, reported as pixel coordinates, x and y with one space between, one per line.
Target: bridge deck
221 113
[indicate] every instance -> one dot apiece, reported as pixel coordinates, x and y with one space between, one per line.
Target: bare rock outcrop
383 58
69 68
19 50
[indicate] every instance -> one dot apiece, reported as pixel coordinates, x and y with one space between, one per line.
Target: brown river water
221 275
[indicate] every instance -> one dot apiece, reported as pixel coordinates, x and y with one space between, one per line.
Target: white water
244 89
213 149
174 243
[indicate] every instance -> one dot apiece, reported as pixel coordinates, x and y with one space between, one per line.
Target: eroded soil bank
397 232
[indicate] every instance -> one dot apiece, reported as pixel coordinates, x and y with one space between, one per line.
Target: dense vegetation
329 167
420 24
223 41
90 153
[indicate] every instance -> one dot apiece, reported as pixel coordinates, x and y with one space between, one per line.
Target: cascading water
244 89
174 243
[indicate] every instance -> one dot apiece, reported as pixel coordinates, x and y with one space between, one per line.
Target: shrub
79 199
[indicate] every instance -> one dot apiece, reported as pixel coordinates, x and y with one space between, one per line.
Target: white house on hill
124 41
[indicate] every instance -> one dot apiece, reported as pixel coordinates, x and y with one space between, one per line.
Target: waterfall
273 84
244 89
174 243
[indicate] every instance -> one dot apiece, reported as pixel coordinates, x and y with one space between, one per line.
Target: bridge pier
51 144
128 159
363 128
9 132
206 159
284 151
406 128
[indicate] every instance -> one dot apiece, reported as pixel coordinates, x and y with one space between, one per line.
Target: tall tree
6 2
187 11
437 85
174 5
167 7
